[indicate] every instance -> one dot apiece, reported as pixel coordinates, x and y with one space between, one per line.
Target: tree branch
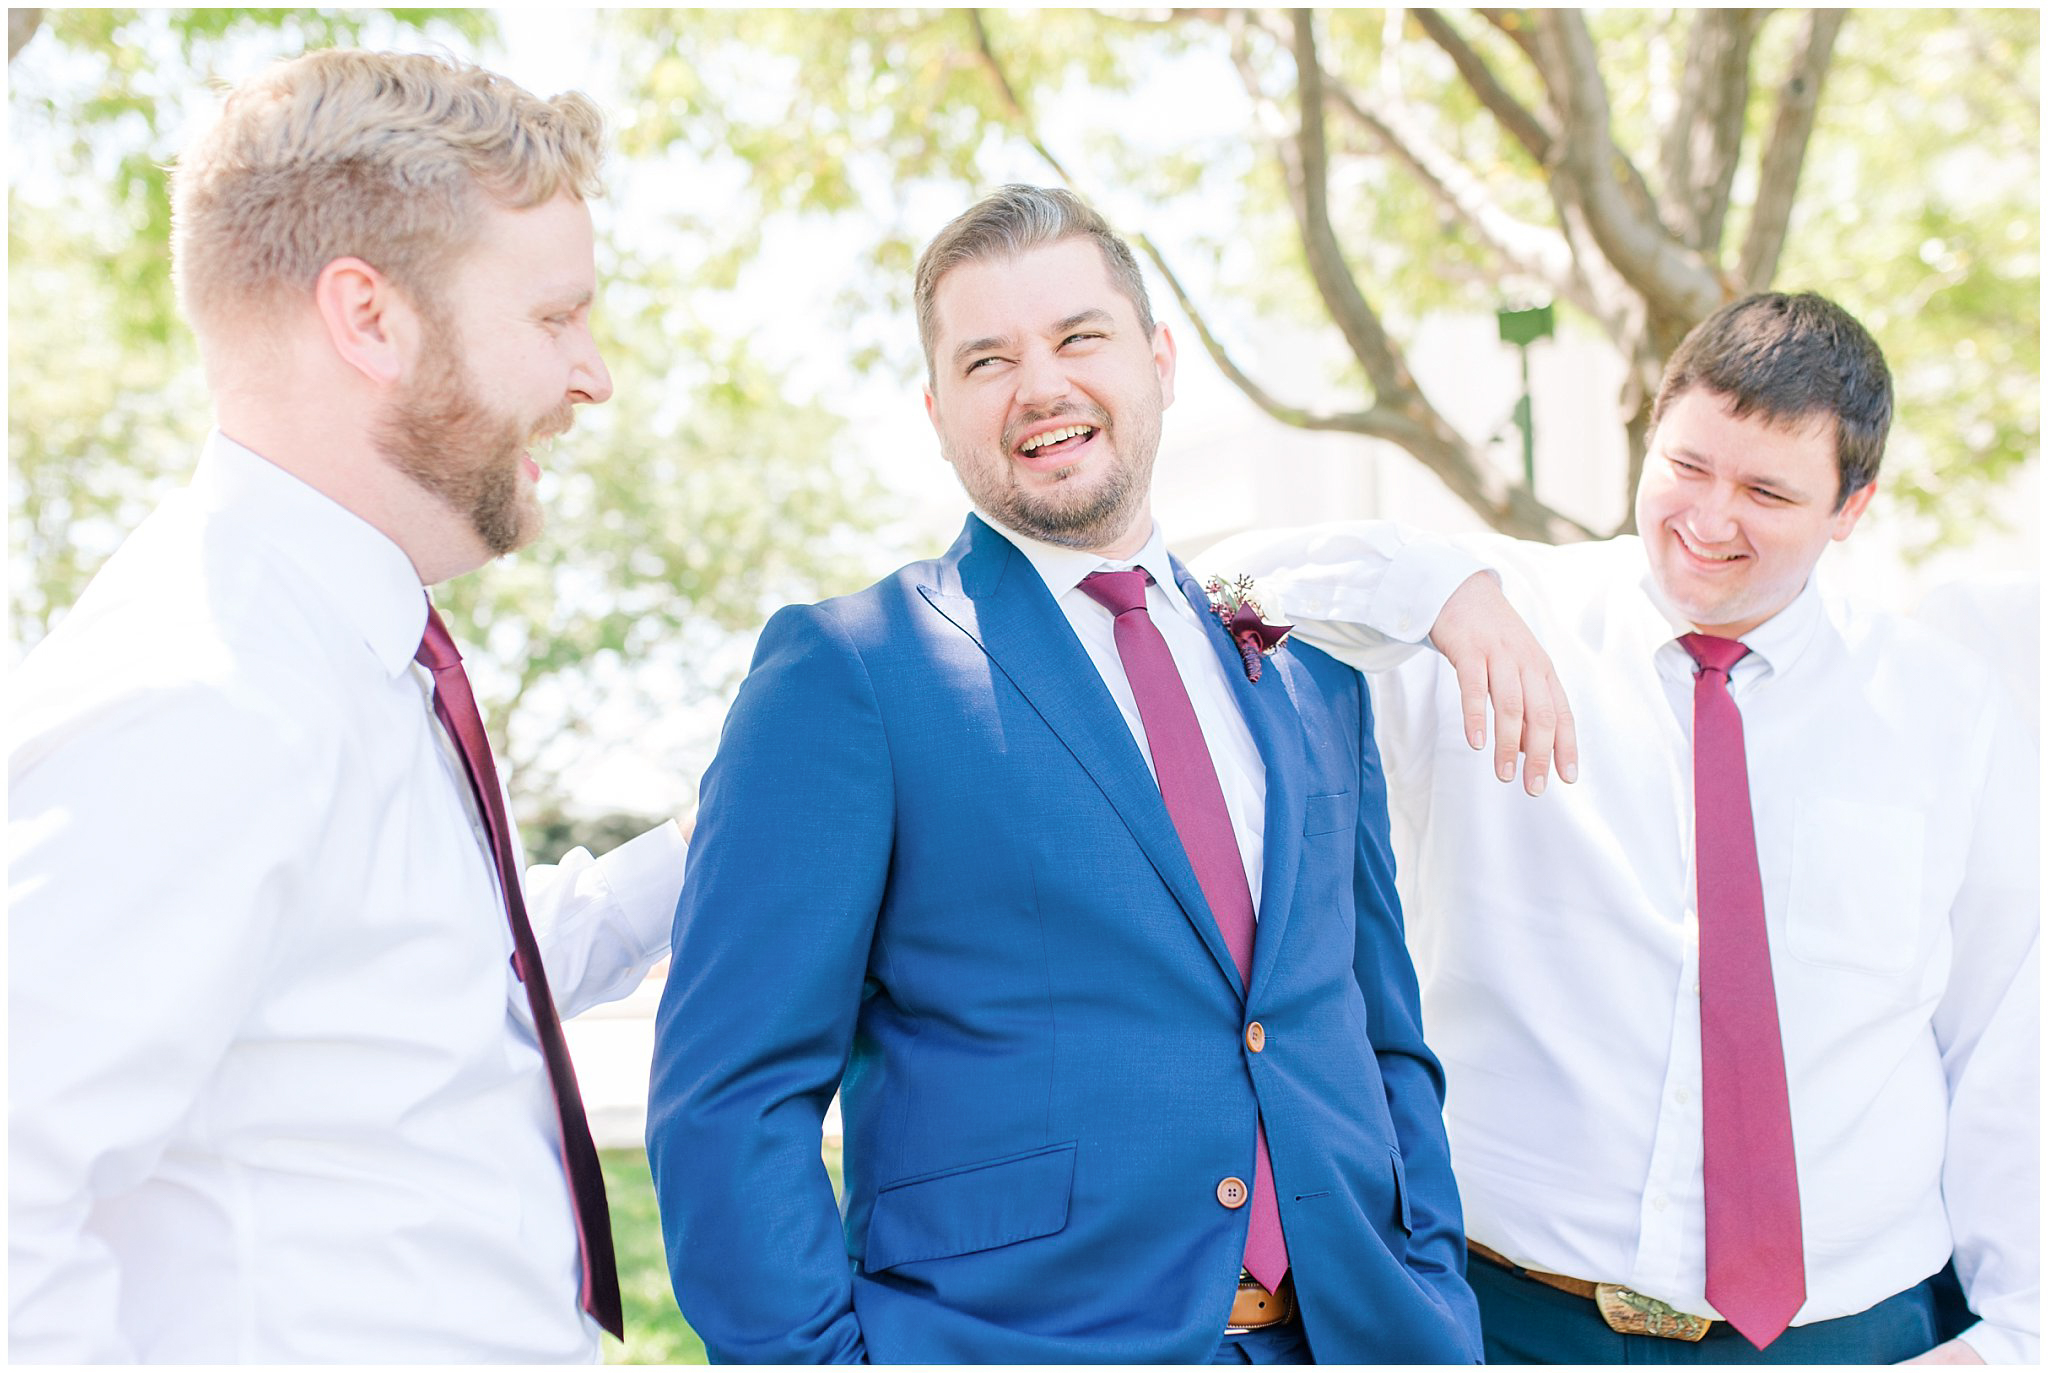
1019 116
21 26
1704 140
1519 28
1529 248
1367 422
1514 117
1785 154
1310 169
1676 279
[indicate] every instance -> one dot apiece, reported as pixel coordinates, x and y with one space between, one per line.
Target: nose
1712 517
1041 381
590 383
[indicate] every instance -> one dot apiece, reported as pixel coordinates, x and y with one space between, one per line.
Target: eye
1769 497
1689 468
1084 337
980 364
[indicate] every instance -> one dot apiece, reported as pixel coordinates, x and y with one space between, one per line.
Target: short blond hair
389 157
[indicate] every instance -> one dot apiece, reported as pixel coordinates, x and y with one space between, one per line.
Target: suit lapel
1275 723
1003 605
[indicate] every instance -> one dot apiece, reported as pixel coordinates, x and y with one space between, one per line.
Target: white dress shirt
1557 938
1239 768
275 1094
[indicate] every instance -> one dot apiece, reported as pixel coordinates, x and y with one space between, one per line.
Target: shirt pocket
969 1209
1857 870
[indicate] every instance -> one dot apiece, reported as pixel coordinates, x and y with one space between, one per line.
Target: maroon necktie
1194 800
1756 1267
457 709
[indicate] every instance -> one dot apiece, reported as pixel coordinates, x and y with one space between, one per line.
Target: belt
1627 1312
1255 1308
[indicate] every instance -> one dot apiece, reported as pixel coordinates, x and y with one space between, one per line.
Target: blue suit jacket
932 870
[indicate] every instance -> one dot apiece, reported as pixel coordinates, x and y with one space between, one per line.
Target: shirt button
1255 1037
1682 1097
1233 1193
1659 1202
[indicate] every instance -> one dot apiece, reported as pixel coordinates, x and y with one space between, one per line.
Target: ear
369 321
1163 358
931 412
1852 511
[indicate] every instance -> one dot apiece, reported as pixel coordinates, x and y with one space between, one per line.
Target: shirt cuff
2002 1344
645 875
1400 605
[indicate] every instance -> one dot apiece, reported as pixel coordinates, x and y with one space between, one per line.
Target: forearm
1366 592
603 922
772 945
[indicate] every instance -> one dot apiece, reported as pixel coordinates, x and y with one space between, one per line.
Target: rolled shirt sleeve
603 922
1365 591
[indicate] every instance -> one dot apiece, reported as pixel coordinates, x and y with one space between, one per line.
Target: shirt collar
1774 645
366 576
1063 568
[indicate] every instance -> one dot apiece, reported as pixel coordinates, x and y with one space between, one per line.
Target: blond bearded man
278 1092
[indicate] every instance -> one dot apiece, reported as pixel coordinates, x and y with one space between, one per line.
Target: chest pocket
1857 871
1330 814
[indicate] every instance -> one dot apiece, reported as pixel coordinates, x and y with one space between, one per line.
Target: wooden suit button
1255 1037
1233 1193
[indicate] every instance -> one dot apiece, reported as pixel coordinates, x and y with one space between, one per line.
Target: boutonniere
1238 608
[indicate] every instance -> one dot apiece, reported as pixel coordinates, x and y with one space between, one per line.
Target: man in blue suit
1086 911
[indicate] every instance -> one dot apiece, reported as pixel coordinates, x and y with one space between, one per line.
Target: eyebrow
1779 485
997 344
979 345
1085 317
570 300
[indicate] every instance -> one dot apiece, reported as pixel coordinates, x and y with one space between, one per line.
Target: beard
1084 517
442 435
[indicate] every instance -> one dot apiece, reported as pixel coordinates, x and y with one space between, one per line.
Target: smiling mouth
1055 442
1696 551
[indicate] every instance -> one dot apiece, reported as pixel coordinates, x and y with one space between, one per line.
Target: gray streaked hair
1013 221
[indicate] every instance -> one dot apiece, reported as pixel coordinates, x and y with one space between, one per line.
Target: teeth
1055 436
1699 552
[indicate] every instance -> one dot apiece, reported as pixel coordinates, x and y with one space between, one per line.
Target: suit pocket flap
1328 814
1401 1211
963 1210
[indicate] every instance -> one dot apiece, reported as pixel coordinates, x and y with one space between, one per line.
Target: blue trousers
1270 1344
1526 1322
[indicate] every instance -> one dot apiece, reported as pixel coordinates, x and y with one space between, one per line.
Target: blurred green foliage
655 1331
679 515
710 490
1918 206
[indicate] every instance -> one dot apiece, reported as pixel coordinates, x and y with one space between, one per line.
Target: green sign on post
1522 328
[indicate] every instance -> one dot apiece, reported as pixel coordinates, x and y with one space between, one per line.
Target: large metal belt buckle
1632 1313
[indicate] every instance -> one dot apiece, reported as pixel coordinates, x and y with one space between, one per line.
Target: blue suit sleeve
771 943
1413 1077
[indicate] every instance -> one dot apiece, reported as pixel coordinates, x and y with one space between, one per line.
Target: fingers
1471 672
1507 723
1567 735
1532 721
1539 735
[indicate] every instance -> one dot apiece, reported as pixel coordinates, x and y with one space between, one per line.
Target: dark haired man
1742 1029
1093 922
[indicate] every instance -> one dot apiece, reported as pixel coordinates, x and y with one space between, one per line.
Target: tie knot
437 645
1712 652
1122 592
